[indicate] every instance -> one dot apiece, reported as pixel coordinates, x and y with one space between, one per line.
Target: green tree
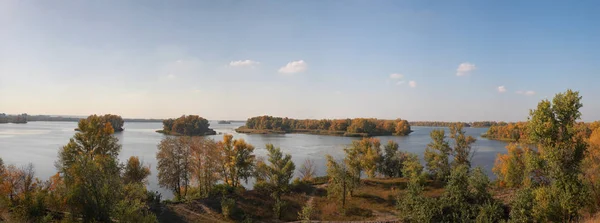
392 160
135 171
363 155
174 165
341 182
278 174
91 171
462 145
553 127
436 155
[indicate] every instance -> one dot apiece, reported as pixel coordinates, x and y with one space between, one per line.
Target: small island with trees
17 119
224 122
190 125
357 127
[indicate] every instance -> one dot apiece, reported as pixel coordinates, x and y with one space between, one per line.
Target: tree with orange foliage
238 160
510 167
591 166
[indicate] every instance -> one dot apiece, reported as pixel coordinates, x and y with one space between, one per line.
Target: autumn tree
238 160
89 166
135 171
115 121
510 167
307 170
392 160
206 163
591 166
462 145
190 125
341 181
277 174
437 154
174 165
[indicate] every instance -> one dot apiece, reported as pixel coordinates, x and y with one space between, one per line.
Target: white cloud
294 67
501 89
243 63
412 84
465 68
400 82
396 76
528 93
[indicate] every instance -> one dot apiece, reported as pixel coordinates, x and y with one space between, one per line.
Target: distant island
24 118
358 127
224 122
190 125
116 122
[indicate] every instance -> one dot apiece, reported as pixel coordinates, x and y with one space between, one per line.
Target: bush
490 212
521 206
306 213
227 207
301 186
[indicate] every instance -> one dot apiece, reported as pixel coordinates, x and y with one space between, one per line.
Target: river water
38 143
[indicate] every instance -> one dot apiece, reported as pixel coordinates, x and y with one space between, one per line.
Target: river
38 143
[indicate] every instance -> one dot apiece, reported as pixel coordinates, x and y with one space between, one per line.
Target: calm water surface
38 143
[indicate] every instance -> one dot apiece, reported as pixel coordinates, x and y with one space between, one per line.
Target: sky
415 60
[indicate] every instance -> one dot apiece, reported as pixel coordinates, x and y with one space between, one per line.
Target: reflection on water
38 143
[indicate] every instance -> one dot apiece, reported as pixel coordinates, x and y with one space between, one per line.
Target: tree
91 171
238 160
402 128
205 164
341 182
591 166
135 171
391 162
307 170
462 145
278 174
436 155
363 155
174 164
510 167
553 127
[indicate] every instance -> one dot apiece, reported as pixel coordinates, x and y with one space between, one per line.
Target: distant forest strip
24 118
478 124
519 131
358 127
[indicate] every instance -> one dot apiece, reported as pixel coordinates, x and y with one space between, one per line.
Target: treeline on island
188 125
363 127
24 118
478 124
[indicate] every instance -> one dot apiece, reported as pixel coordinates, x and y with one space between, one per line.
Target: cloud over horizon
465 69
243 63
501 89
294 67
412 84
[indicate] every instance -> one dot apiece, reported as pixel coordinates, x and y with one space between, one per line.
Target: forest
553 177
520 132
363 127
190 125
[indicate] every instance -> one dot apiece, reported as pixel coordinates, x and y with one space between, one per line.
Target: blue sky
416 60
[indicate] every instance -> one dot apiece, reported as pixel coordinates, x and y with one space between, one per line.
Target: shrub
227 207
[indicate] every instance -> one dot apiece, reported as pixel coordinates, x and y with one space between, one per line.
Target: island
357 127
190 125
224 122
